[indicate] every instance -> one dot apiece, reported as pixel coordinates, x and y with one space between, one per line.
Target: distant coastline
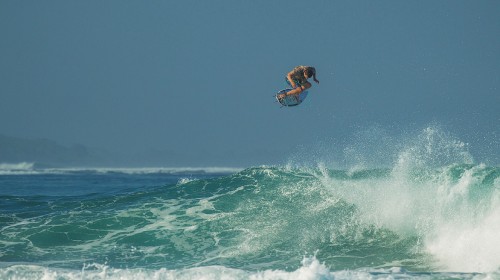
42 152
47 153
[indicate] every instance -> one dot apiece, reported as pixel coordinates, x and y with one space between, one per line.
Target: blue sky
198 77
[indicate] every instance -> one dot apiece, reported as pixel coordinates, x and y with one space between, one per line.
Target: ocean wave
432 213
445 221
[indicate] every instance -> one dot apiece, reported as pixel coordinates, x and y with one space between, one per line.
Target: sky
197 78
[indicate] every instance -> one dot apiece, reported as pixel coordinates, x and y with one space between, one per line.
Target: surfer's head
308 73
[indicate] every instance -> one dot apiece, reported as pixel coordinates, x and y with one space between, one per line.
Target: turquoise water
416 219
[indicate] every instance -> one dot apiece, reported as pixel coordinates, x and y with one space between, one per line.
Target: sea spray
435 193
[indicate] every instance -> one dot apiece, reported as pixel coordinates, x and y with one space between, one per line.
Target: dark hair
309 72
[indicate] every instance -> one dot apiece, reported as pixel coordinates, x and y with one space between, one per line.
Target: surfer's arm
289 77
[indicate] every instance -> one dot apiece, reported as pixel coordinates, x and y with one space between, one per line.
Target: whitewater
432 213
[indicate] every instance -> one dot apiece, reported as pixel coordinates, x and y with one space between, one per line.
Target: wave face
415 219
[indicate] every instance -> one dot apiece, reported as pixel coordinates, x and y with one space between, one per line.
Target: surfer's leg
296 90
299 88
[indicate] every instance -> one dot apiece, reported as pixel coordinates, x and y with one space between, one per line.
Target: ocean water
432 214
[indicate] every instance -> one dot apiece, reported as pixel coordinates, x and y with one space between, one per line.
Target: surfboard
291 100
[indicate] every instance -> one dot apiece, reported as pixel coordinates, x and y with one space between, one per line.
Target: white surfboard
291 100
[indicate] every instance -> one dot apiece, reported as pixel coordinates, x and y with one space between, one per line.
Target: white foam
29 169
311 269
167 170
468 248
458 219
469 244
16 168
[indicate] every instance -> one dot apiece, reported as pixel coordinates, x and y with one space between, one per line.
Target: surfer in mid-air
297 79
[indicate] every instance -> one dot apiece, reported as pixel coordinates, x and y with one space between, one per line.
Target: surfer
297 79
